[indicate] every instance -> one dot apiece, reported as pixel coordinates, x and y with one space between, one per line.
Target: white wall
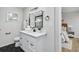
47 25
26 17
73 19
13 26
69 9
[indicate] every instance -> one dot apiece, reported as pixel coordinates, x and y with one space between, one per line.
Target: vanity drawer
23 35
33 40
32 47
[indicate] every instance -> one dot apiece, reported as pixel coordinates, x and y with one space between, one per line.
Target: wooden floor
75 46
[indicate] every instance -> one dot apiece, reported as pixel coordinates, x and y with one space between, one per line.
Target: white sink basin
34 34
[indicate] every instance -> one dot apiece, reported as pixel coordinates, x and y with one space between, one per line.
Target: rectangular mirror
36 20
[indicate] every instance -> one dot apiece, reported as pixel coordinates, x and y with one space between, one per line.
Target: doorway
70 29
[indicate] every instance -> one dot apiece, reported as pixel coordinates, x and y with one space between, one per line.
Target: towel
64 37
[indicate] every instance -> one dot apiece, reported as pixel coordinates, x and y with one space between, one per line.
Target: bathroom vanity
33 41
33 38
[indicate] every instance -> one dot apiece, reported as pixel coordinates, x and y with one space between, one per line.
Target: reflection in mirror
39 22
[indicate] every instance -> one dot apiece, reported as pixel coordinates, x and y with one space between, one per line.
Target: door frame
57 28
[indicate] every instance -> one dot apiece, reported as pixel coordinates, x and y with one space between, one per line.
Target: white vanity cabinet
31 43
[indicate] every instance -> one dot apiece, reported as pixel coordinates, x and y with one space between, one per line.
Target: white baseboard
7 44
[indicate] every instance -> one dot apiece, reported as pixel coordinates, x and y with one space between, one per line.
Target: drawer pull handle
21 38
31 44
27 41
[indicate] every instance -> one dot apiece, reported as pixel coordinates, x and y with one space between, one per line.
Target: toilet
17 41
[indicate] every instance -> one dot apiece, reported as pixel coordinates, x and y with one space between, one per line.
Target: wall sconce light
47 18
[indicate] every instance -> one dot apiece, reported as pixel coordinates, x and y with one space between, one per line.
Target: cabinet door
32 46
41 44
31 43
24 43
